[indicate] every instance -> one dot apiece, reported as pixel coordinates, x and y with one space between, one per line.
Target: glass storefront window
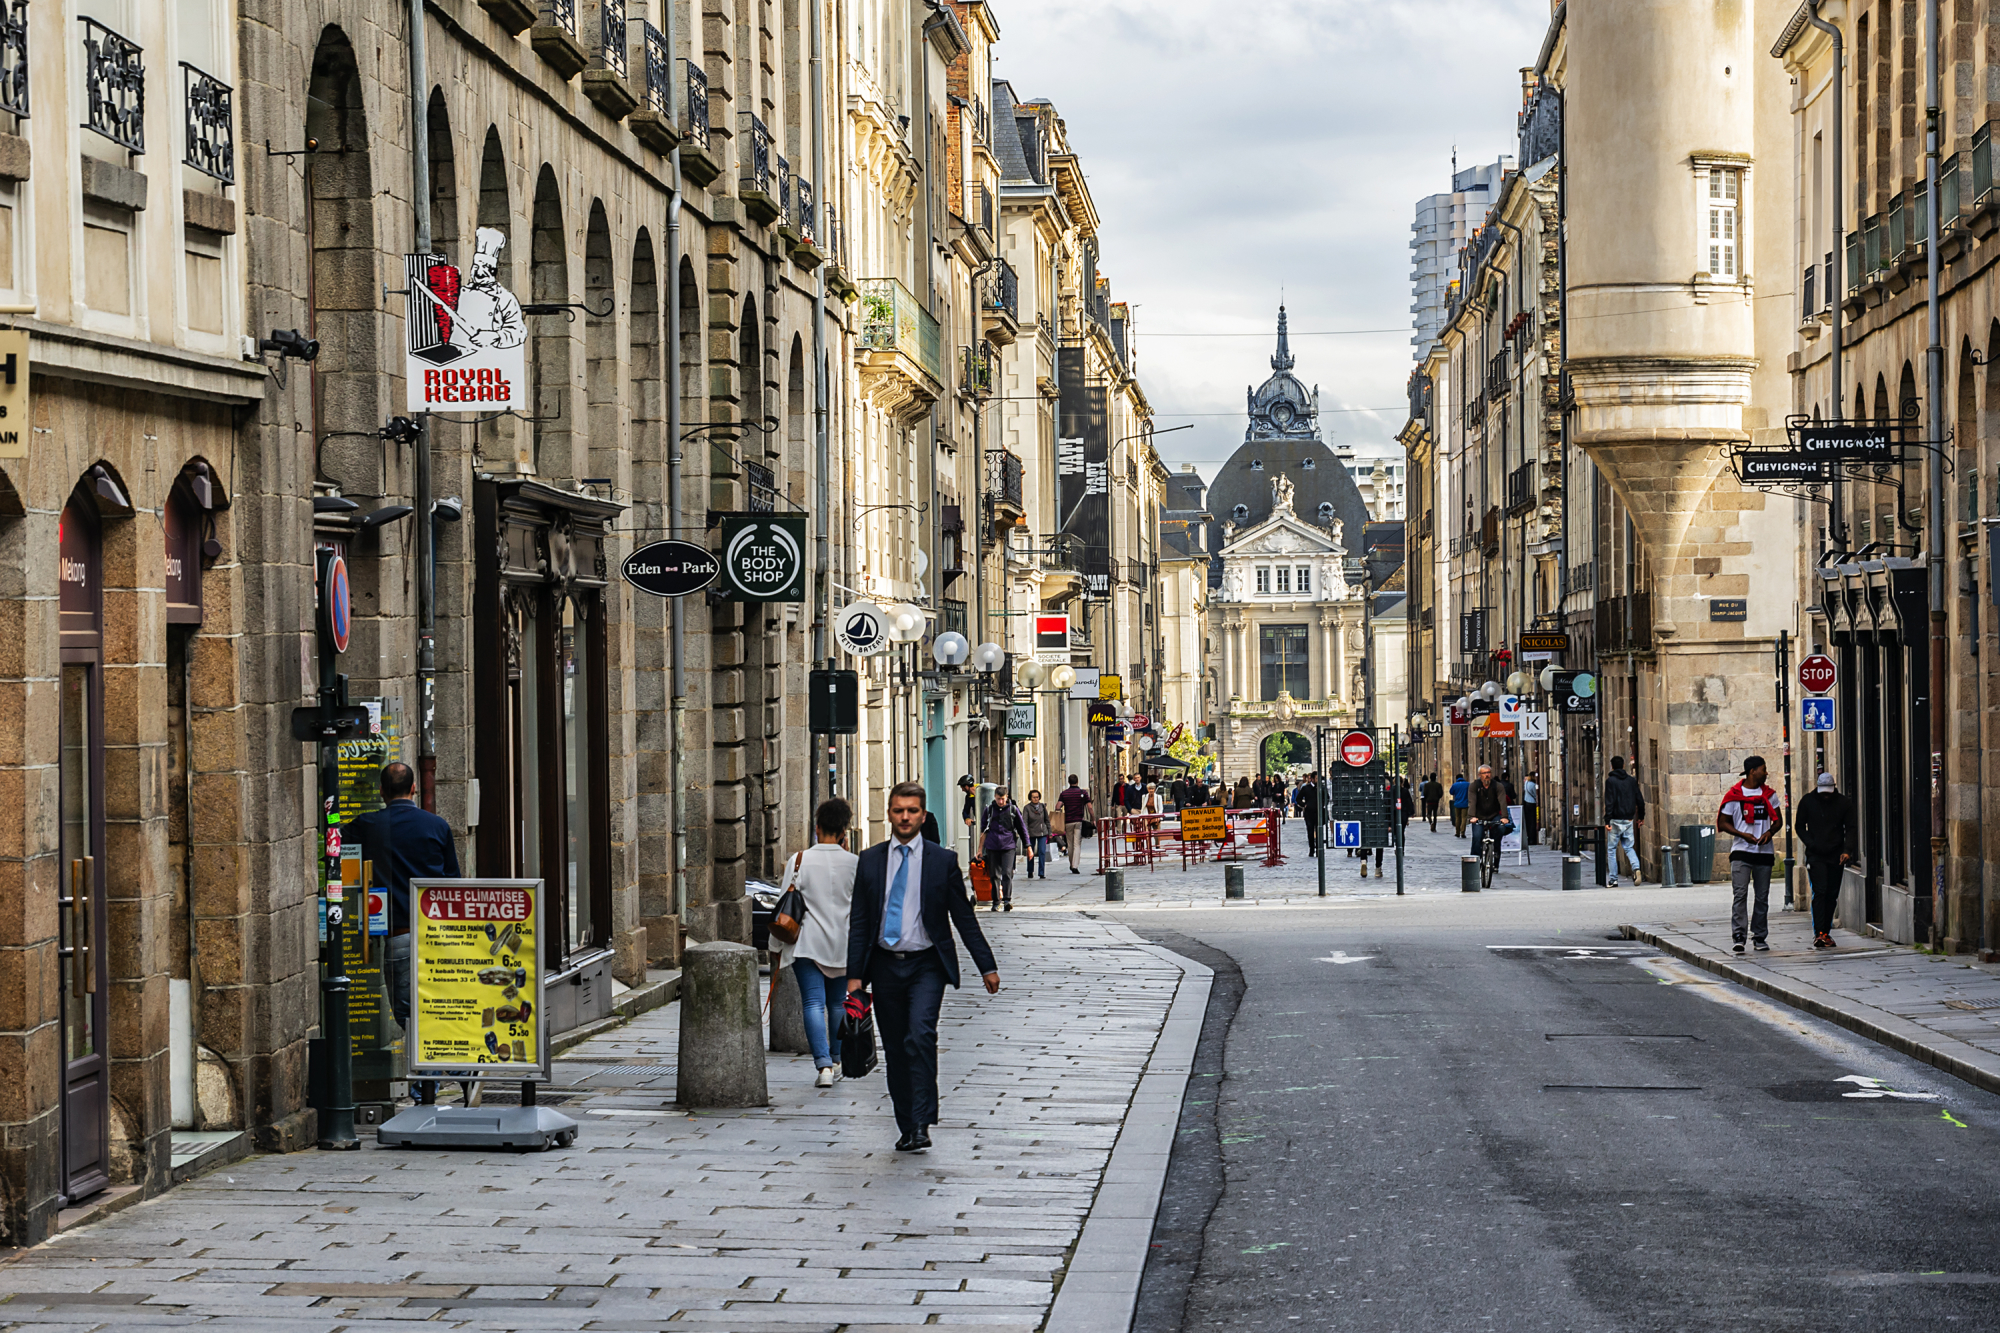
576 771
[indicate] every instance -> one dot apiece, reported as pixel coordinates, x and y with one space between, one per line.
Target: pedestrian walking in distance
1433 793
1826 825
1003 833
1752 818
405 842
1309 810
908 896
1074 802
824 874
1036 816
1531 809
1459 788
1624 812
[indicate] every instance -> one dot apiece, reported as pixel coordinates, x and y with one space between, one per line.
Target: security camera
399 430
447 510
290 343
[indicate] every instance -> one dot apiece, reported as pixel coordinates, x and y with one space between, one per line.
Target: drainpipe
425 526
1934 376
677 617
1838 525
823 605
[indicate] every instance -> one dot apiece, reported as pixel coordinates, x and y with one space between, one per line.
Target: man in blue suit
908 893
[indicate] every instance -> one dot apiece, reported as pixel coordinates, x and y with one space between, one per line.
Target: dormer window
1256 465
1307 465
1241 513
1326 511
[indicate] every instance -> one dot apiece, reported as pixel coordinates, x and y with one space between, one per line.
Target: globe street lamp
951 649
989 657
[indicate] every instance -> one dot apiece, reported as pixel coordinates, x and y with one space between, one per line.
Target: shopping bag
857 1036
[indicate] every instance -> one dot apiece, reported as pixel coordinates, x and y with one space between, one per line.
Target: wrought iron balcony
114 86
977 368
1521 489
14 57
1982 163
951 616
1004 479
211 127
561 14
611 35
835 244
696 128
1808 303
783 176
760 488
892 320
804 216
659 71
754 184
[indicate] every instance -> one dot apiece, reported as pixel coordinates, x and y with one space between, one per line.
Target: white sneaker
825 1079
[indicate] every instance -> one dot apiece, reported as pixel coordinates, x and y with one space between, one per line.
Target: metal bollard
1572 873
1673 869
1114 886
1682 877
1468 874
1232 881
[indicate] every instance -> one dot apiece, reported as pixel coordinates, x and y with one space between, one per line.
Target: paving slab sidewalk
1059 1100
1941 1009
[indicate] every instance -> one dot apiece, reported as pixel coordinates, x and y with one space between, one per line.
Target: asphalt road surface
1482 1114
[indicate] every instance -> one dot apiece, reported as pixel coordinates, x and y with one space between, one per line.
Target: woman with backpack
824 875
1003 835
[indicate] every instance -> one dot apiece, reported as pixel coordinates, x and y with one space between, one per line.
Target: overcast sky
1237 149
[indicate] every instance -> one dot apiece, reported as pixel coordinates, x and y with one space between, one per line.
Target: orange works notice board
476 980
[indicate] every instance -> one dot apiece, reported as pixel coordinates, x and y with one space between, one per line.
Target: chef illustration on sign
488 314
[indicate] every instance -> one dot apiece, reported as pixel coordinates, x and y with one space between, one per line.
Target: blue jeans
819 993
1038 859
1622 837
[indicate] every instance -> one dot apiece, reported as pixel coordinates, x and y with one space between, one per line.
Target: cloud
1237 150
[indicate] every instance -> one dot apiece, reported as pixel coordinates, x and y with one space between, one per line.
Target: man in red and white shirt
1750 815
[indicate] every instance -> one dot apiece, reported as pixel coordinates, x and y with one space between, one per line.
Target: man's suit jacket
944 904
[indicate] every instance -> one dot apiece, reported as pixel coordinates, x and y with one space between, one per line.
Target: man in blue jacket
1459 787
908 894
406 842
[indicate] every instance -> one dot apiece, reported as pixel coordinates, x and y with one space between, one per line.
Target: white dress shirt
913 936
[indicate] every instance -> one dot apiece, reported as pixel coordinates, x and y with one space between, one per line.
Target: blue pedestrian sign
1347 833
1816 715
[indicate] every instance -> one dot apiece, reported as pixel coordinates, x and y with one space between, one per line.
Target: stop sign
1817 674
1357 748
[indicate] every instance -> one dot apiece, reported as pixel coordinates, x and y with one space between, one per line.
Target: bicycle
1489 854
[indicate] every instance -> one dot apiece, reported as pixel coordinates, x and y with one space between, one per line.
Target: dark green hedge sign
764 557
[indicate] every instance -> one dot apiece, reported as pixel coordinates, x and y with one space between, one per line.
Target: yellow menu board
475 970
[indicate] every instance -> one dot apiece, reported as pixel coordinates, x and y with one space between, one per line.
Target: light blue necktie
892 915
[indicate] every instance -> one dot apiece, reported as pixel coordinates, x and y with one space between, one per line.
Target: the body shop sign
763 557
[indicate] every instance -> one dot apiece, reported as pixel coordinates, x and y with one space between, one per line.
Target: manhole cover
1972 1006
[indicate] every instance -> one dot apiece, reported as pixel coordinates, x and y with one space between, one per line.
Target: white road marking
1875 1087
1338 957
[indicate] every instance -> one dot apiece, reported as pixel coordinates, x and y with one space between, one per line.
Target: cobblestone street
794 1218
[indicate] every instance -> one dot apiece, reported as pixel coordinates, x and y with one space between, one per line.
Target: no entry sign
1817 674
1357 748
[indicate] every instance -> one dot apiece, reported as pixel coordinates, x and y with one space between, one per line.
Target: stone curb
638 1000
1959 1059
1100 1284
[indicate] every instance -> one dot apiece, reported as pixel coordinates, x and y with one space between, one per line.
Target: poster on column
1083 490
476 980
467 344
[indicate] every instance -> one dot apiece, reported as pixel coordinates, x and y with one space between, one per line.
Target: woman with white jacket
824 874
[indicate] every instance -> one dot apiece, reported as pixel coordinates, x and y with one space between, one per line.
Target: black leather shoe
918 1142
905 1143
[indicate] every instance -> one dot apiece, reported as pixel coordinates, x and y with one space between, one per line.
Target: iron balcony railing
1808 304
976 366
760 488
561 14
1497 386
986 210
833 247
114 76
892 320
697 107
783 179
1898 232
14 57
1004 296
1826 288
1949 194
982 123
211 126
951 616
1004 477
1625 624
1982 163
611 35
1853 261
756 173
1521 489
659 71
803 213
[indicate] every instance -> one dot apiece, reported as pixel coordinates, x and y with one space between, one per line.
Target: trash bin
1700 842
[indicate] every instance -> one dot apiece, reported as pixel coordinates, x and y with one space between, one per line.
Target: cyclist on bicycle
1487 801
